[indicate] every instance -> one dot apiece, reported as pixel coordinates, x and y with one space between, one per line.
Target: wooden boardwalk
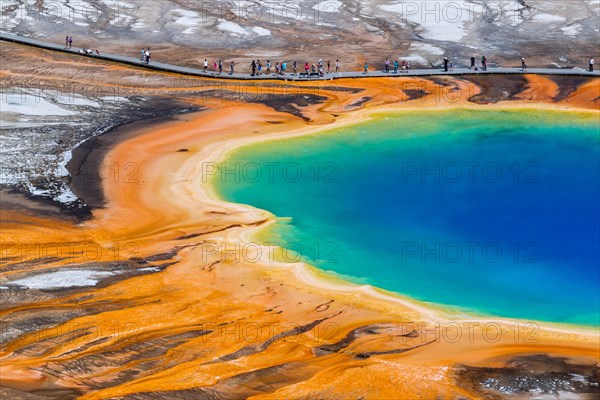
159 66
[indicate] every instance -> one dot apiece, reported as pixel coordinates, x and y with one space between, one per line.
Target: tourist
591 65
283 67
231 66
321 70
523 65
143 55
328 66
148 54
259 67
446 64
67 42
220 67
387 65
70 41
268 67
472 62
277 71
313 68
306 67
295 68
215 67
337 66
403 64
253 67
366 69
407 67
483 63
205 65
395 66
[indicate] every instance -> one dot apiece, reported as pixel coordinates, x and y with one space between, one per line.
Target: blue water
494 212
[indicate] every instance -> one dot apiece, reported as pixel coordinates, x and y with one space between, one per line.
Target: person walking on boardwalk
295 68
143 55
220 67
215 67
253 67
328 66
231 66
70 41
483 63
472 62
523 64
306 67
591 65
446 62
268 67
259 67
283 67
395 66
407 67
366 69
337 66
205 65
148 54
67 42
387 65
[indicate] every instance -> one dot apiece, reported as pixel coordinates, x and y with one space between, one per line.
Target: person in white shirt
591 65
205 65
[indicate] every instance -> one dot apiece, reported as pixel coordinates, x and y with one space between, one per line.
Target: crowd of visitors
318 69
258 68
280 68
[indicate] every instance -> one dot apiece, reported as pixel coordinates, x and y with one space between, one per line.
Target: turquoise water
494 212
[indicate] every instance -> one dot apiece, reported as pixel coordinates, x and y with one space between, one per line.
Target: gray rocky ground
39 129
